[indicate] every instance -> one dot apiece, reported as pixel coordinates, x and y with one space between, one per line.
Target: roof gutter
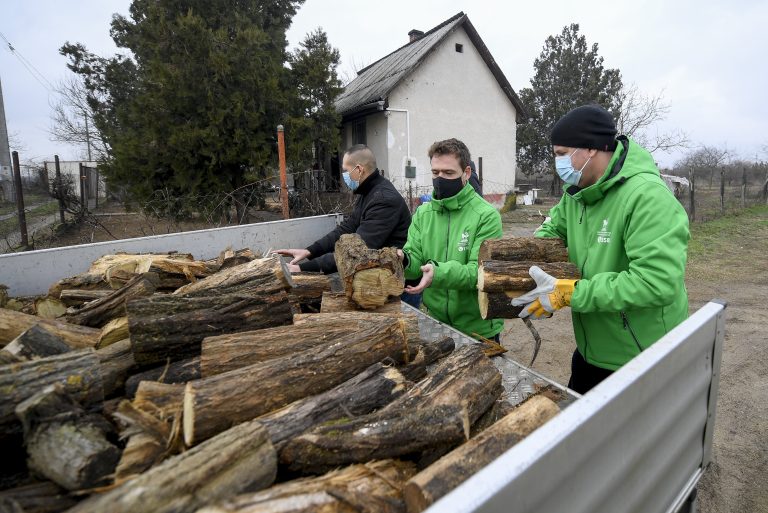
363 109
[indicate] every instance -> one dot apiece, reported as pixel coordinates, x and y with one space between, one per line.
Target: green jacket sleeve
413 249
555 226
455 275
656 243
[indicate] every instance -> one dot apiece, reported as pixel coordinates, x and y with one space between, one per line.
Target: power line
29 66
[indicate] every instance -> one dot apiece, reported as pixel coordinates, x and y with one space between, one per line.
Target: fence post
59 188
743 187
480 171
410 195
722 190
97 187
283 177
83 191
692 180
20 200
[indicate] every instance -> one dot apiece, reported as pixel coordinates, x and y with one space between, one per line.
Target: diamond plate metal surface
519 381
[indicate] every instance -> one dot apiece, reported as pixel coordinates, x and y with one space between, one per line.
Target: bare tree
638 115
15 143
72 118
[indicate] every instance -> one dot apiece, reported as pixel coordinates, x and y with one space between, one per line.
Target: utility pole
88 139
6 173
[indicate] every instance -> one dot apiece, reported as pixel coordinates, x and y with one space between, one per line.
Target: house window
358 132
459 47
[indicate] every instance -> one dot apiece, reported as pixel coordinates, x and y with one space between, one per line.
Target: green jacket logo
464 242
604 236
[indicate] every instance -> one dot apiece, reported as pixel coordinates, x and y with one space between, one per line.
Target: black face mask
446 187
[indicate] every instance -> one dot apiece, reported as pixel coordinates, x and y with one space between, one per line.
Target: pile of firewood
503 271
167 384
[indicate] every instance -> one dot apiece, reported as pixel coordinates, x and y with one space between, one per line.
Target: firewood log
409 321
309 287
370 276
427 354
169 373
336 302
78 371
13 324
49 308
495 276
36 342
498 305
523 249
62 443
40 497
236 461
173 327
261 276
114 331
100 311
213 404
229 258
454 468
77 297
116 364
375 486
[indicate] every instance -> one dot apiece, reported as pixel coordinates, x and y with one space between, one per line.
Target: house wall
71 169
376 140
453 94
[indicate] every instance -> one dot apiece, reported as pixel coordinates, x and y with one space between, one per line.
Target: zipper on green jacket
447 247
631 331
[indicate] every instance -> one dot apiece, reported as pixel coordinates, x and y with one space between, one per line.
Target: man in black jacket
380 215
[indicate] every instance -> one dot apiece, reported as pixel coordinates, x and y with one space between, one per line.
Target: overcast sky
707 57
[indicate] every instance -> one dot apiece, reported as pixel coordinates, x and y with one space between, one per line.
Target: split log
62 444
36 342
261 276
42 497
308 288
77 297
213 404
85 281
173 327
521 249
454 468
370 276
99 312
49 308
78 371
373 388
13 324
170 373
237 461
500 276
153 425
114 331
498 305
438 412
116 364
375 486
334 302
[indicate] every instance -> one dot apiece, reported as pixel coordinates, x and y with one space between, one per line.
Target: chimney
414 34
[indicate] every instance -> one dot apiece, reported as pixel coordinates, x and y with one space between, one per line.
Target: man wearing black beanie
627 234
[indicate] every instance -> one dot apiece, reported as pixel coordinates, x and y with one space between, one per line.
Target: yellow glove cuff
561 296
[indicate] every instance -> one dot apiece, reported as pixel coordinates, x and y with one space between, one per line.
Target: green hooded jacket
629 237
448 234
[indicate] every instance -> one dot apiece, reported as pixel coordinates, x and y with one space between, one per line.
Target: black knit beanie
588 126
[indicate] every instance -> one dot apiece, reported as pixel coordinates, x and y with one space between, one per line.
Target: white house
70 171
444 83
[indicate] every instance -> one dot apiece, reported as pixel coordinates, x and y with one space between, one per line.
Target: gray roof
374 82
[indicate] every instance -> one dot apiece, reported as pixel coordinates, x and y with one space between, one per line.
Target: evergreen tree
568 73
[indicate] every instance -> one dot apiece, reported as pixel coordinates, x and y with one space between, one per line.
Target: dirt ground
727 261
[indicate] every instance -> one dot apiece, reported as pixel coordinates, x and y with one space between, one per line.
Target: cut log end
188 416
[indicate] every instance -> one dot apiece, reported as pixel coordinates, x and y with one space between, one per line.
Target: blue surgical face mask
352 184
565 170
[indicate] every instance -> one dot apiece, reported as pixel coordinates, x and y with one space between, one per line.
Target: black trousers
585 376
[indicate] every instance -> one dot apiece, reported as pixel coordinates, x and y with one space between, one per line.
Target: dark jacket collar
367 185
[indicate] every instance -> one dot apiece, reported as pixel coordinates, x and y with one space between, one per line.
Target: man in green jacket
629 237
444 240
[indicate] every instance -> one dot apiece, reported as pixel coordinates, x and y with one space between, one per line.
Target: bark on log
520 249
213 404
99 312
261 276
498 305
173 327
454 468
409 321
239 460
62 444
229 258
372 487
500 276
427 354
370 437
337 302
114 331
170 373
373 388
78 372
36 342
370 276
308 288
77 297
13 324
42 497
116 365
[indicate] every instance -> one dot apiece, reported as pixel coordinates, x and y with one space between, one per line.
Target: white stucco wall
375 134
453 94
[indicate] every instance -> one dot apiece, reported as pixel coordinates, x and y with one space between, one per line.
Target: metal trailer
638 442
